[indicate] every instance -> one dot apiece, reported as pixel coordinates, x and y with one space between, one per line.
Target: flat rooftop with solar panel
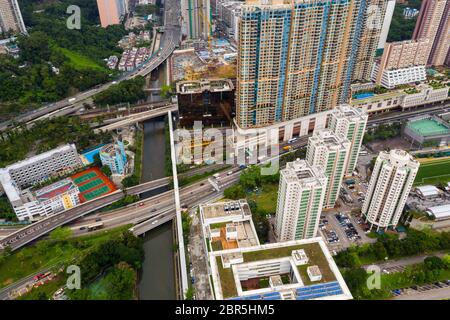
429 129
294 270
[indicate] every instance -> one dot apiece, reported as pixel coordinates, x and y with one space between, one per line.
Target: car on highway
153 210
154 222
141 204
98 219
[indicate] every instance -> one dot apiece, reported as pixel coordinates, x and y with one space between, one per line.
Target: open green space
266 198
79 61
49 253
433 172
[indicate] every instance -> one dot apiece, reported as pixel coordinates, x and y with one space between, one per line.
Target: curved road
169 41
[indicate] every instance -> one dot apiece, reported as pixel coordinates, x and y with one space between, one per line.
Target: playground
92 184
433 171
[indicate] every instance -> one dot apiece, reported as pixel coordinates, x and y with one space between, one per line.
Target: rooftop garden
313 251
436 85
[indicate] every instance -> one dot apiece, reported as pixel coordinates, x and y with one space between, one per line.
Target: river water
157 278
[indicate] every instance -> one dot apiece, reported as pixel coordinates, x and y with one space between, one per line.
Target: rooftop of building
348 112
440 212
230 280
198 86
229 225
225 209
55 189
301 171
10 186
429 126
399 158
329 139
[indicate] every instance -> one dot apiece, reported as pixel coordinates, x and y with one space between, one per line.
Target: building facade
351 123
11 18
329 151
299 57
196 19
15 178
113 155
210 101
402 62
386 23
433 23
111 11
392 179
300 197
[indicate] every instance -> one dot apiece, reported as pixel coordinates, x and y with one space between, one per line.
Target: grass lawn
266 200
48 253
433 172
226 280
80 62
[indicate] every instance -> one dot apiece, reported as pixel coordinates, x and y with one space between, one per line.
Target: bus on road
95 226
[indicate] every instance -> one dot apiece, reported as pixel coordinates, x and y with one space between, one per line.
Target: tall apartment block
402 62
330 152
196 16
386 23
389 186
11 17
299 57
351 123
111 11
300 198
434 23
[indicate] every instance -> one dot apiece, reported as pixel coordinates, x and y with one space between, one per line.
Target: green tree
61 234
106 171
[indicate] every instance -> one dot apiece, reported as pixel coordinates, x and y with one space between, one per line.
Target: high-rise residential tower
351 123
434 23
330 152
298 57
300 198
111 11
11 17
392 178
386 23
196 19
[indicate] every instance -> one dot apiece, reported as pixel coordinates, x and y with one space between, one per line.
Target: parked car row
331 236
422 288
349 228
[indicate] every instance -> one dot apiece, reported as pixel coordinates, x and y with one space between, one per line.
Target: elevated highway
139 117
169 42
29 233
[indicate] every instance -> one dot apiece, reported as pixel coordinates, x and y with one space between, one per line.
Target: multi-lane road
169 41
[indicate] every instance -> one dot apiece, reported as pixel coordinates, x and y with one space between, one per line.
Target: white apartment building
396 77
329 151
390 184
22 174
350 122
300 198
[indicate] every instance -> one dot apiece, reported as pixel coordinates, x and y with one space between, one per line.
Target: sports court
428 127
92 184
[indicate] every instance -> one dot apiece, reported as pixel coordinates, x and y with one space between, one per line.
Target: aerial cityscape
235 150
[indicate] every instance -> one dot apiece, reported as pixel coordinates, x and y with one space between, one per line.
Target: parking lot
340 230
414 290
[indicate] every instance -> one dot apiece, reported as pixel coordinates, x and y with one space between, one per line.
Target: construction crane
203 8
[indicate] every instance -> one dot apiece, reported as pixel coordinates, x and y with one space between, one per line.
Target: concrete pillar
304 126
288 130
321 122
